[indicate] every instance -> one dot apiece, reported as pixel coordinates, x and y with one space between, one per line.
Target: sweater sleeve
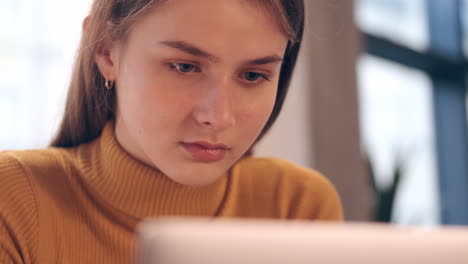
330 207
290 190
319 200
310 195
18 213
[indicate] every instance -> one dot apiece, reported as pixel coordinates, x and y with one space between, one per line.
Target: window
464 22
36 56
397 126
401 21
432 70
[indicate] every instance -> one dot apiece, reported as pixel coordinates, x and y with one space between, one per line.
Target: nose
214 109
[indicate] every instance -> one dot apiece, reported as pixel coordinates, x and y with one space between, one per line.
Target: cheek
134 97
256 114
154 106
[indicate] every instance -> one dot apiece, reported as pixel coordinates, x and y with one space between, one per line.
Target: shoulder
41 171
14 179
38 158
278 170
28 177
24 173
15 186
41 166
18 210
20 171
302 192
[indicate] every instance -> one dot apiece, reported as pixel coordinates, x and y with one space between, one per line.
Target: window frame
444 62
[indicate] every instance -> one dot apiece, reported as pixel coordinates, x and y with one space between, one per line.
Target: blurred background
377 103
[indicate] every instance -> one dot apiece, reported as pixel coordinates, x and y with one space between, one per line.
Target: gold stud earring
109 84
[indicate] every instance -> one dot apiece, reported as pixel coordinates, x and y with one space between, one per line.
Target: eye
184 67
254 76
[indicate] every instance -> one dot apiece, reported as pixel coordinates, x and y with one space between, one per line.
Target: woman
166 99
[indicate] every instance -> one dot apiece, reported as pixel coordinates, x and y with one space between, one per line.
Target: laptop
183 241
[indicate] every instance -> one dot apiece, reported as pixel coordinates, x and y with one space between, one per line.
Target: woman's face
196 82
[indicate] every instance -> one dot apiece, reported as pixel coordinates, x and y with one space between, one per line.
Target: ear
85 24
107 59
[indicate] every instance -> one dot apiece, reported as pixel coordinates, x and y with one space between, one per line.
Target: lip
204 151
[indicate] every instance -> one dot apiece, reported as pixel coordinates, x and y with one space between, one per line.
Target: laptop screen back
176 241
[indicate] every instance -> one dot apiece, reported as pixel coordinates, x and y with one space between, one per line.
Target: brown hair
90 105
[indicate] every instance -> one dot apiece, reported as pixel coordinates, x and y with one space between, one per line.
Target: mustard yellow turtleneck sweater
81 205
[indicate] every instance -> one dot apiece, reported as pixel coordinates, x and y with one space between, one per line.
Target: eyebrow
198 52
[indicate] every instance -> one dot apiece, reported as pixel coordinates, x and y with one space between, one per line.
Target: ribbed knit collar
140 191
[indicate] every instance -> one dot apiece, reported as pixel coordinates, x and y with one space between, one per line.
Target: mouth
205 151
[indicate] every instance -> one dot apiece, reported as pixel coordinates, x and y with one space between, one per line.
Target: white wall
290 138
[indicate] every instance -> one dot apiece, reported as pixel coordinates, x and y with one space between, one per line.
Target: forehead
223 25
